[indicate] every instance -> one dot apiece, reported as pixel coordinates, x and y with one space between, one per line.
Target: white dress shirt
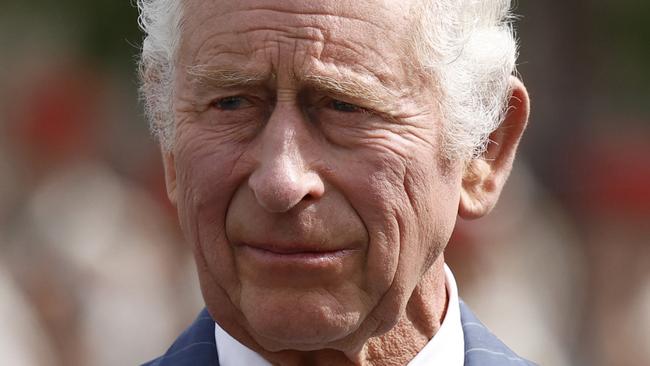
447 347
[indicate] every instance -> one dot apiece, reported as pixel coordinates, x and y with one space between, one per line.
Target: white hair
467 46
161 22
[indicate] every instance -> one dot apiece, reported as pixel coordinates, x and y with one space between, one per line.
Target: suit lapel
195 347
482 348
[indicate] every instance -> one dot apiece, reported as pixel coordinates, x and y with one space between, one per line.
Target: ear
170 175
485 177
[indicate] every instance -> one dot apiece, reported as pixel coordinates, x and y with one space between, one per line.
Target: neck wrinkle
427 306
423 317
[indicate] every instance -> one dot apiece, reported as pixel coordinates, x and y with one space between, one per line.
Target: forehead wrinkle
314 14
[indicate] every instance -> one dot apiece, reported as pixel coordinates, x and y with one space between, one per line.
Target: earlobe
170 175
484 177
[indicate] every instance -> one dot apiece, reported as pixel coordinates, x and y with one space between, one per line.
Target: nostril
308 197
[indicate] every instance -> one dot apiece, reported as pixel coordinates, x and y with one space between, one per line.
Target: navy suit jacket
196 346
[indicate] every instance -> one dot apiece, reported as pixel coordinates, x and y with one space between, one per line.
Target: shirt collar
447 347
233 353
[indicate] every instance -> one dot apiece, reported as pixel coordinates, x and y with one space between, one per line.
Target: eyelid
326 100
353 107
368 110
360 107
245 99
250 94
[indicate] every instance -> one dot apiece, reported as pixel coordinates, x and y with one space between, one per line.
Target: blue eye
345 107
229 103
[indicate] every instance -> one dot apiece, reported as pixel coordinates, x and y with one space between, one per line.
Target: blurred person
77 246
319 154
524 257
23 341
588 67
610 196
8 186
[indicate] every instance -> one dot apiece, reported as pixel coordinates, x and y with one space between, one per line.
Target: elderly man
319 154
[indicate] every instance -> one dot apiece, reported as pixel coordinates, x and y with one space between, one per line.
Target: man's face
307 167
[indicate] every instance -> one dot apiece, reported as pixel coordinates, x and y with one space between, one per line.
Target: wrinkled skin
272 156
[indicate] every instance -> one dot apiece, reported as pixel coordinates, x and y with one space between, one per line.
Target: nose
283 176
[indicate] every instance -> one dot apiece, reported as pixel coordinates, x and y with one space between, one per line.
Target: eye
231 103
345 107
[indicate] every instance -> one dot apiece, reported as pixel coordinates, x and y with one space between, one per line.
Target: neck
419 322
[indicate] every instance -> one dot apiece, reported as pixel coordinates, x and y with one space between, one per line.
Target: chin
305 323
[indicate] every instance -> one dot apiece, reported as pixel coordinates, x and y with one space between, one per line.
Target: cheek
408 204
370 180
207 177
434 196
206 166
432 189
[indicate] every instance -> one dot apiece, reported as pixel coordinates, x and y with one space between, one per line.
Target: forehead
366 36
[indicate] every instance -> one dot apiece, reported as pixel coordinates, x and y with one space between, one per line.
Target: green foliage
104 31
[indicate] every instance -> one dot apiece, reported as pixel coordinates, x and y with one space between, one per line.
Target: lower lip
309 259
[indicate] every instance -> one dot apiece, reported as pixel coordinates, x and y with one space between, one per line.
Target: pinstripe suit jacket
196 346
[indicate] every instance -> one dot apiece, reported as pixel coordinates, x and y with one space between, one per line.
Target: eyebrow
346 87
221 78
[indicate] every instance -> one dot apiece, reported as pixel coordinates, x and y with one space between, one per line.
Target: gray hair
161 22
467 46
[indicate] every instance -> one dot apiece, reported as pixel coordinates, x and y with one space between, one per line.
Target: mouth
294 254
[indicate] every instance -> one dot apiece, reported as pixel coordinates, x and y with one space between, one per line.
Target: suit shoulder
484 348
195 346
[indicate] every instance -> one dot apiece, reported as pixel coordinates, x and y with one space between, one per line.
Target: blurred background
93 270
